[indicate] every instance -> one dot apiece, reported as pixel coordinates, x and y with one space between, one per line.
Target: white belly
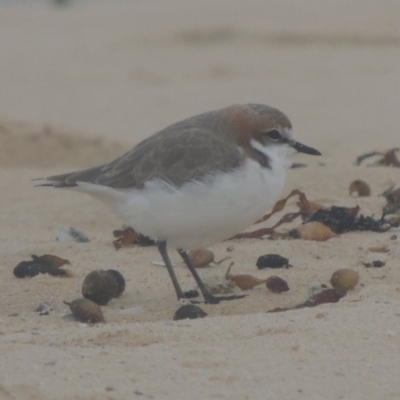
201 214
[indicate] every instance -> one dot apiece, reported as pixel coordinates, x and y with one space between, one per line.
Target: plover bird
196 182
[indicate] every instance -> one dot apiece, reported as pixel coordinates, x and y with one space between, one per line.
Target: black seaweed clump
341 220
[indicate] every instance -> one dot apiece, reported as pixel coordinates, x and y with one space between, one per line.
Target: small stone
276 284
272 261
345 279
44 308
316 288
191 294
71 235
189 311
375 264
383 248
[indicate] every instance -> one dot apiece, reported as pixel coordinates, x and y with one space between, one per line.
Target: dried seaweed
337 219
343 219
272 261
326 296
127 237
388 158
392 197
306 208
46 264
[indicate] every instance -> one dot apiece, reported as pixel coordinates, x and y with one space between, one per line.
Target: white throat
279 155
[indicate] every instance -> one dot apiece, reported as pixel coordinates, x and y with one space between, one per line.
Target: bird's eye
273 135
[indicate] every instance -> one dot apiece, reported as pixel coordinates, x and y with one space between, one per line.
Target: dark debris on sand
342 219
127 237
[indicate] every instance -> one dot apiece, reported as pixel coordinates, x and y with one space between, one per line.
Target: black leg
208 297
162 248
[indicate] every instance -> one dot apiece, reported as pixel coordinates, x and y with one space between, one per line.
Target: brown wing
175 156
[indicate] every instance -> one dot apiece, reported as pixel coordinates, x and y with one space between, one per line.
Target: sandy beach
82 84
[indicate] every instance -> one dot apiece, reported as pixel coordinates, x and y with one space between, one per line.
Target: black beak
302 148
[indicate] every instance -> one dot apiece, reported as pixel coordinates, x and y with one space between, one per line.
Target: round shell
360 187
315 231
345 279
100 286
120 281
276 284
201 257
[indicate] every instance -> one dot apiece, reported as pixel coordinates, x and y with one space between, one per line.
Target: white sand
81 84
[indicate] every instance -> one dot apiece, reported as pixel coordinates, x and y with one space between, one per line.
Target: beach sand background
83 83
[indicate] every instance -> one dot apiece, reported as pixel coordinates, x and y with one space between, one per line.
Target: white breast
200 214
